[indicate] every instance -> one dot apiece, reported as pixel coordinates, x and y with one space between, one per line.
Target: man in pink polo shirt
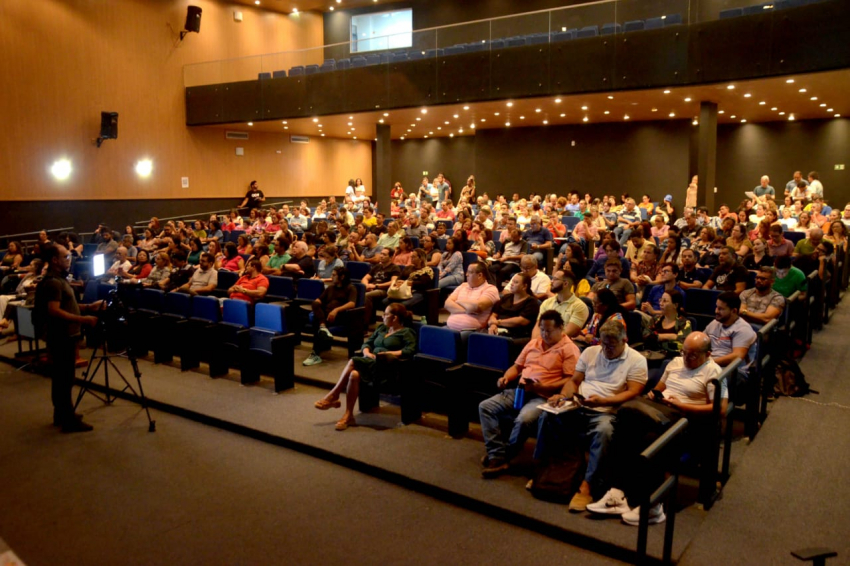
470 304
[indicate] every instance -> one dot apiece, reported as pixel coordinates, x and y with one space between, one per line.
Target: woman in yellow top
369 218
647 204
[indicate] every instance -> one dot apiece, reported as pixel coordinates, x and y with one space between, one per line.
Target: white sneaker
612 503
324 330
312 360
656 515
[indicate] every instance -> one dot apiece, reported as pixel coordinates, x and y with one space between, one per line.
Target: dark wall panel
454 157
520 71
464 77
746 152
652 57
730 49
284 97
582 65
203 105
795 50
242 101
412 83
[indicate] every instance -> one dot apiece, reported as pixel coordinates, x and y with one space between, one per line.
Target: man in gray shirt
764 188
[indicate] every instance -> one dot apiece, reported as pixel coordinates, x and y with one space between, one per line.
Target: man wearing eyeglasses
540 282
762 304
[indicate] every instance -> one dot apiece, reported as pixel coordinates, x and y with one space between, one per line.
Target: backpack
583 288
790 380
557 479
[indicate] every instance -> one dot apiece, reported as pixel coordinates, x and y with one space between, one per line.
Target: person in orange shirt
252 286
541 370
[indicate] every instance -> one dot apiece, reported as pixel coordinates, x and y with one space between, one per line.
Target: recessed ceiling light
721 112
731 87
813 98
402 137
460 131
446 122
610 97
320 126
672 114
626 117
418 119
348 133
413 125
426 136
666 92
451 135
733 116
557 101
466 107
483 119
606 112
762 103
782 113
562 115
584 119
510 104
381 121
584 107
257 2
537 110
507 124
655 109
352 128
455 116
791 118
743 120
688 99
439 127
409 130
424 110
838 115
386 114
802 90
790 81
286 127
823 105
472 126
349 123
829 109
284 122
774 109
250 123
695 122
315 120
351 117
545 122
332 8
748 95
295 10
431 133
495 113
522 117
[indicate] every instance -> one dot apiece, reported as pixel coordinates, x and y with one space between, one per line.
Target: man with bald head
684 386
764 188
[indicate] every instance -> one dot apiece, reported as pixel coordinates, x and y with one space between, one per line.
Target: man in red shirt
251 286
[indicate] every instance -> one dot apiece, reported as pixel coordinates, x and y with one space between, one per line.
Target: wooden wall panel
65 61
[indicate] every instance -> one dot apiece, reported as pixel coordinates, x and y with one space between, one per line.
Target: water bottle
519 397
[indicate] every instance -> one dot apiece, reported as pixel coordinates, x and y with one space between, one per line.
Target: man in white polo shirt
470 304
571 308
606 376
540 282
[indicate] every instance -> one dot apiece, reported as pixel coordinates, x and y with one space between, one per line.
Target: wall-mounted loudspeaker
193 19
108 127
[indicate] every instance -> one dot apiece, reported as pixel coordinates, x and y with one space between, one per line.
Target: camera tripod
104 360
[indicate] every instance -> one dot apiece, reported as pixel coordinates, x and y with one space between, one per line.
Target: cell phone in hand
657 395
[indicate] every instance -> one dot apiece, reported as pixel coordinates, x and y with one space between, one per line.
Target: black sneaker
77 426
58 422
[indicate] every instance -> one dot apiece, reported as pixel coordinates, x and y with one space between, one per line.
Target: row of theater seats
766 6
476 46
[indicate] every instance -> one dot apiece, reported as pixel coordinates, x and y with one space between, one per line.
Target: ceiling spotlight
466 107
562 115
731 87
424 110
426 137
381 121
315 119
695 122
606 112
557 101
672 114
743 120
446 122
655 109
610 97
507 124
584 107
510 104
733 116
408 129
460 131
483 119
284 122
748 95
295 10
666 92
790 81
522 117
585 119
829 109
721 112
386 114
782 113
838 115
688 99
352 128
791 118
451 135
495 113
762 103
349 123
332 8
545 122
774 109
802 90
537 110
351 117
813 98
471 126
286 127
418 119
257 2
626 117
823 105
455 116
431 133
250 123
439 127
402 137
321 125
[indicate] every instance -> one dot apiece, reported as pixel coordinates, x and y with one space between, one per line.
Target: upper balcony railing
606 17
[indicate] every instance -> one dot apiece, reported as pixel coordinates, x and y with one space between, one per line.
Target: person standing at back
59 318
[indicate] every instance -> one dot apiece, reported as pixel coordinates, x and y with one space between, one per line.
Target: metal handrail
10 236
182 216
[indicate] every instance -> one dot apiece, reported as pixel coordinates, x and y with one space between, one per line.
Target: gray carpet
192 494
789 491
417 453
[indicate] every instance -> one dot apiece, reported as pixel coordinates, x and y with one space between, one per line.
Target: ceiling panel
288 6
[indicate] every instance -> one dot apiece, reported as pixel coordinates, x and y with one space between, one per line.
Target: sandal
345 423
325 404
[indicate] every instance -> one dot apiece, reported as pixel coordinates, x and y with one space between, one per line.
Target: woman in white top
359 190
787 220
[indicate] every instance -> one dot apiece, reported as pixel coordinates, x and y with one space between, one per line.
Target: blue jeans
453 279
555 431
622 234
499 410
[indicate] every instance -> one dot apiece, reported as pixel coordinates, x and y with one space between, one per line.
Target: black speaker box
109 125
193 19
